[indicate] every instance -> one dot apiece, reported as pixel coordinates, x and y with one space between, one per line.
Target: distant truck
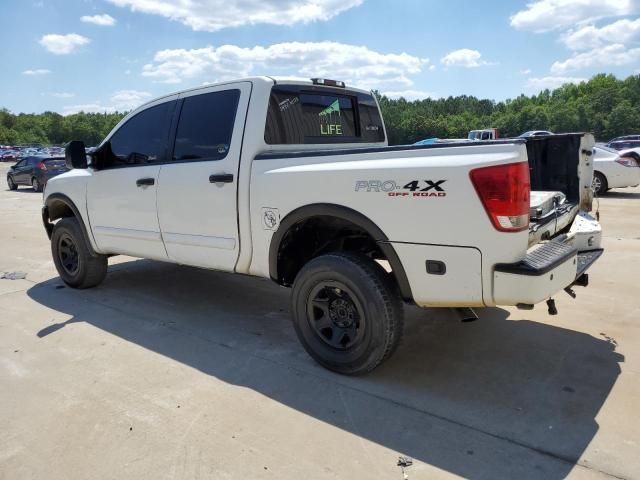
486 134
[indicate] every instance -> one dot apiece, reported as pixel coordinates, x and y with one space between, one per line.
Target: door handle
142 182
221 178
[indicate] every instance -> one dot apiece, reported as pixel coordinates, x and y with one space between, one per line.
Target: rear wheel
600 185
12 185
347 312
74 261
35 183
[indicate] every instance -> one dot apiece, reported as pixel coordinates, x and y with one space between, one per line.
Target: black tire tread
95 265
384 285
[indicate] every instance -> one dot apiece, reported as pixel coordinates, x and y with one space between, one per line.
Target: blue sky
103 55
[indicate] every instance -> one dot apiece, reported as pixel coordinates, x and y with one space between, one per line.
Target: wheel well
319 229
318 235
59 209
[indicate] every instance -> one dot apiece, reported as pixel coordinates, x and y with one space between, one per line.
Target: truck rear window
318 115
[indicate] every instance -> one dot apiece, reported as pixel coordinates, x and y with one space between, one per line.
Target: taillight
504 192
627 161
41 166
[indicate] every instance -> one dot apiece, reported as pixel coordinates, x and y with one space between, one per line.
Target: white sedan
613 169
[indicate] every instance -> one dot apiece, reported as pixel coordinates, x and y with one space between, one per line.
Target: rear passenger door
197 187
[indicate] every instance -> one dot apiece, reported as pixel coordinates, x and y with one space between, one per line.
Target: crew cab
294 181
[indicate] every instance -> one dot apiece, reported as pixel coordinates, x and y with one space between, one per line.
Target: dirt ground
171 372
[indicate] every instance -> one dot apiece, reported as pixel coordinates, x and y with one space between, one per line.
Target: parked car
35 172
10 156
294 181
624 144
535 133
625 137
613 169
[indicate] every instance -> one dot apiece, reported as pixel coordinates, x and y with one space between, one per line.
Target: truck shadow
621 194
497 398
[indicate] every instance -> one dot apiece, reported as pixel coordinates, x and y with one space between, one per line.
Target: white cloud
63 44
464 57
525 71
590 37
129 99
610 56
212 15
543 83
63 94
103 20
411 95
37 71
355 65
120 101
546 15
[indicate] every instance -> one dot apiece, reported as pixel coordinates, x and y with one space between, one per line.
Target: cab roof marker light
328 83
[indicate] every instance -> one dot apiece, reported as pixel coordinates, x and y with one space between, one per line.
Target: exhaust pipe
466 314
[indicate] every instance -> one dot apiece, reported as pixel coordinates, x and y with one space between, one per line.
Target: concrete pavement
166 371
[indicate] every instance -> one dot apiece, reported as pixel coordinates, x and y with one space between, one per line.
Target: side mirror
75 155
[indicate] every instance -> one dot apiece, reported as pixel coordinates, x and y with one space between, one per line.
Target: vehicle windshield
474 135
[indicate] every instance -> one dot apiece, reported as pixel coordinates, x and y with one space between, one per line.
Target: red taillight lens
41 166
504 192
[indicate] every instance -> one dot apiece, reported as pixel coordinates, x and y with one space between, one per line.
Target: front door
121 193
197 188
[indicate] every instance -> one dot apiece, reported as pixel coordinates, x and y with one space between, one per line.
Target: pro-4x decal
412 188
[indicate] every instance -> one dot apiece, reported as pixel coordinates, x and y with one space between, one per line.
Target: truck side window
205 126
141 140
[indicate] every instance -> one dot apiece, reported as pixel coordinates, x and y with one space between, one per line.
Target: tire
12 185
600 185
77 267
347 312
35 184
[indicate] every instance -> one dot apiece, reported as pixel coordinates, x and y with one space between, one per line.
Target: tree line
605 106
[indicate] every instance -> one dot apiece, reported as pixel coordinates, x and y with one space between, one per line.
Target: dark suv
35 172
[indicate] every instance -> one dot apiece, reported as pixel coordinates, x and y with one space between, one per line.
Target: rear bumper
546 270
549 267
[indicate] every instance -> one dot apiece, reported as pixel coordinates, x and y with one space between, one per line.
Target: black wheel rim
335 315
10 182
68 254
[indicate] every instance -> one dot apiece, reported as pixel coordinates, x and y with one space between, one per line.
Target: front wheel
347 312
76 264
12 185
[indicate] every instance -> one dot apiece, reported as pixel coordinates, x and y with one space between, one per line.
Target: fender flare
350 215
49 213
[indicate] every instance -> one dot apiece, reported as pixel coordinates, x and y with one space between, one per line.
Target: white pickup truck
294 181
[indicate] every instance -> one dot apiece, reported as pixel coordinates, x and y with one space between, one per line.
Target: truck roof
274 80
